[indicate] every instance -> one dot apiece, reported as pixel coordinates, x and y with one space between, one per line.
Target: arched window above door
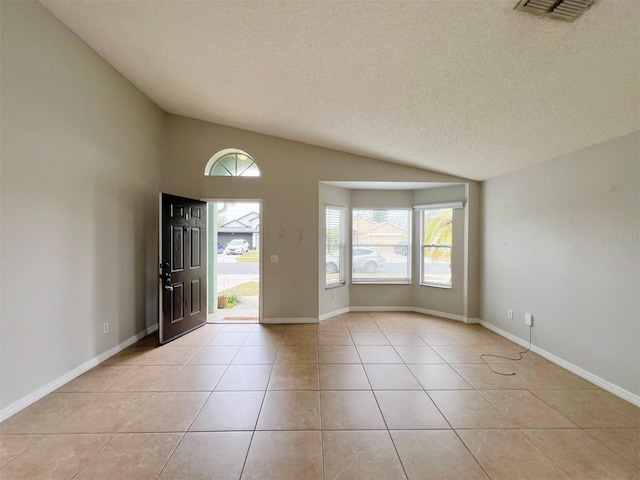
231 162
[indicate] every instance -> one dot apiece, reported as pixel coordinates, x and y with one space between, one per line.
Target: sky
238 209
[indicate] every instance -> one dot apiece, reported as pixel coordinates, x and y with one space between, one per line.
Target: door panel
183 232
177 248
196 254
177 305
195 296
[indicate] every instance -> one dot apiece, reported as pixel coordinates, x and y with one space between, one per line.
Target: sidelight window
335 232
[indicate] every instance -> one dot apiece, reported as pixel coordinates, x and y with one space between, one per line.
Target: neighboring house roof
249 217
384 226
236 230
250 220
249 223
361 224
235 224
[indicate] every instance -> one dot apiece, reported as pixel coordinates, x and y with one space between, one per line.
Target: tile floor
364 395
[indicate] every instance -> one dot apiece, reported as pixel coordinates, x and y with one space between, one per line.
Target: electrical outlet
105 328
528 319
510 314
274 258
334 296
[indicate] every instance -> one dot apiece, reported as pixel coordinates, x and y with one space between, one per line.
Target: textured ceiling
470 88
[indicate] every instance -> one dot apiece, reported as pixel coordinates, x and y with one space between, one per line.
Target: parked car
367 259
237 247
401 249
332 263
220 248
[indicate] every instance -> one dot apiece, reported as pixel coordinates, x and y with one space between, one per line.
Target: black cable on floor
520 355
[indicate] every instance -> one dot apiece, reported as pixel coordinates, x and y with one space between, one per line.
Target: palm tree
439 232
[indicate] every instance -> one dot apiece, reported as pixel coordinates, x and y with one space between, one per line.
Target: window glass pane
243 162
229 162
220 171
335 246
437 242
436 266
251 171
381 246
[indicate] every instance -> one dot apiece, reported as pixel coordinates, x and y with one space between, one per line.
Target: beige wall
289 188
561 240
80 178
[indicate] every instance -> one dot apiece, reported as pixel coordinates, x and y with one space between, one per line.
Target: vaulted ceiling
466 87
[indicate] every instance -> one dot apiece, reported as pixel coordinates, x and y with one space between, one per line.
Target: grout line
246 457
266 389
434 403
216 384
386 334
320 404
568 472
113 435
184 434
375 397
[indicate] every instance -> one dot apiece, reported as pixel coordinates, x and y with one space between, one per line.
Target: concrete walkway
247 311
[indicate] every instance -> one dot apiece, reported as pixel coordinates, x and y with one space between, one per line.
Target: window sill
435 285
336 285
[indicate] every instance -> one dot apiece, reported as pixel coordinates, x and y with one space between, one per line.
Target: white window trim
343 261
208 169
439 206
434 206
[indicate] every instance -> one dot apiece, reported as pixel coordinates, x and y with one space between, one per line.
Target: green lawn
249 257
248 289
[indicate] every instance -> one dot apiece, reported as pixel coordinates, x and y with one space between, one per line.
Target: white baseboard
335 313
381 309
289 320
391 308
435 313
33 397
450 316
590 377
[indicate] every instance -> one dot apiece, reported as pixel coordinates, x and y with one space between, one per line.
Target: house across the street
246 228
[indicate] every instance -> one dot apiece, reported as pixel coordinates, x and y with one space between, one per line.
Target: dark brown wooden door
183 278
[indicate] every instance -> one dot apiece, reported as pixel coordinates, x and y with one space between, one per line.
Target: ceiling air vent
567 10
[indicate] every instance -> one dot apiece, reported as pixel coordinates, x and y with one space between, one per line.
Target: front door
183 266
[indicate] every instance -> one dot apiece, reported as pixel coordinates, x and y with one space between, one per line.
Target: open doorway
234 261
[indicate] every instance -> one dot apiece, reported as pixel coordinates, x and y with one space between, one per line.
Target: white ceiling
466 87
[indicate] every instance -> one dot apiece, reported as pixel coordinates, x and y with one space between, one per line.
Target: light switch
274 258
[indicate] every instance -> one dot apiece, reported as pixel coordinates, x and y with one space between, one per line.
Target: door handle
167 281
